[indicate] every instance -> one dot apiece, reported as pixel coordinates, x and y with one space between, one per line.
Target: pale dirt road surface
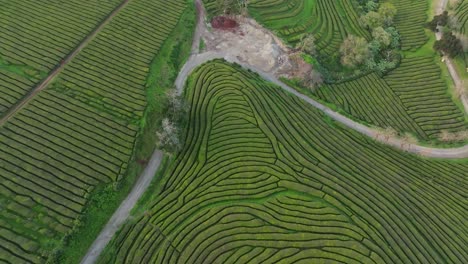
446 153
123 212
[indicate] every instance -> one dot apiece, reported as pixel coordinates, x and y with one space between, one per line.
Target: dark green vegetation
266 178
413 98
83 132
35 38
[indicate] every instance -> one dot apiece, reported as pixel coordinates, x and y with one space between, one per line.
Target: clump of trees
381 53
438 20
354 51
307 44
378 15
452 43
169 136
449 44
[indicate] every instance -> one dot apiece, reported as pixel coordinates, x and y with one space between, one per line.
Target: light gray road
447 153
123 212
43 84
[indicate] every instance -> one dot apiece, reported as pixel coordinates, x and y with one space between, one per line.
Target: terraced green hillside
266 178
410 20
413 98
81 131
36 37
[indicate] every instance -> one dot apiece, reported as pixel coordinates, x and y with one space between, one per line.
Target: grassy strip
106 199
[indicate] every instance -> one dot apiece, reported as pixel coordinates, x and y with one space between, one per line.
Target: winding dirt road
447 153
198 59
45 82
123 212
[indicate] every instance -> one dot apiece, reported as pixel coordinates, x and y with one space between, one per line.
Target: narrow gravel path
448 153
123 212
43 84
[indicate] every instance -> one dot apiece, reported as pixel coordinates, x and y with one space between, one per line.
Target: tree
381 36
395 37
372 20
168 136
387 12
314 79
243 7
371 6
354 51
307 44
439 20
449 45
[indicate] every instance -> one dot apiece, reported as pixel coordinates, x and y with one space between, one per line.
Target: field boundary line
45 82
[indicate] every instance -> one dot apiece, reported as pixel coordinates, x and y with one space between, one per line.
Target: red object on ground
222 22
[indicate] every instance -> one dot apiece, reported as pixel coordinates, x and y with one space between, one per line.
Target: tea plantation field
412 98
329 20
81 131
35 38
266 178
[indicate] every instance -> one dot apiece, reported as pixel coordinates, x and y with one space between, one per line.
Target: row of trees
380 54
452 42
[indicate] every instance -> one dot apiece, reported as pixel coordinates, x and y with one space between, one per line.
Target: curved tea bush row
410 20
418 84
78 133
330 21
40 35
370 99
413 98
12 88
265 178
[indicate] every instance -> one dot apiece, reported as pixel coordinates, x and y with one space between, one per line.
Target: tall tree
307 44
354 51
387 12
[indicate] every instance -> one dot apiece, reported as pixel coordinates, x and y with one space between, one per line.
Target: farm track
45 82
122 213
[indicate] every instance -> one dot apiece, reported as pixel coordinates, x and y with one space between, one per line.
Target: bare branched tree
168 136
